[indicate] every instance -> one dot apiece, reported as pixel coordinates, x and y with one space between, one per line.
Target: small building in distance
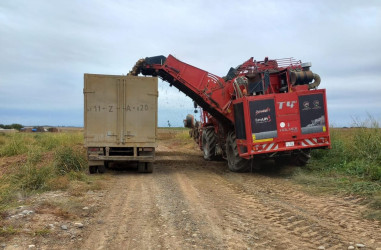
8 131
53 129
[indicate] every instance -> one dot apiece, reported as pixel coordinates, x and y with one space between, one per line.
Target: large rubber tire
149 168
235 162
195 135
101 169
145 167
209 141
107 164
302 157
93 169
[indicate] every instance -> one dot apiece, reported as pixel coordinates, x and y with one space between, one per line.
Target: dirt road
191 203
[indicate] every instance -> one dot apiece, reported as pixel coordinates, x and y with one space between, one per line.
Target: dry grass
59 183
56 209
38 162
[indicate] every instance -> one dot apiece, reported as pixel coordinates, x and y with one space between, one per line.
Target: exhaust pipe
305 77
315 83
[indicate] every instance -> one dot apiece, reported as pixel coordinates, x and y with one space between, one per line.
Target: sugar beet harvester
259 110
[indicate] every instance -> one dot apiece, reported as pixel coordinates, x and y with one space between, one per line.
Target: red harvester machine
259 110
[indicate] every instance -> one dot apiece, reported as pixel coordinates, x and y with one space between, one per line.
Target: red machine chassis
290 136
267 108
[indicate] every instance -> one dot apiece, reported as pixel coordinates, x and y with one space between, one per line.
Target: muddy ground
191 203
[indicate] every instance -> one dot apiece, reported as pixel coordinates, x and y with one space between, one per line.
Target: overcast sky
47 46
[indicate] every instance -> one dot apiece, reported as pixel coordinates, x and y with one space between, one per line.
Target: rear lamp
94 149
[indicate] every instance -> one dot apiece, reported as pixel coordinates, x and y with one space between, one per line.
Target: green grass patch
67 159
53 161
355 152
24 143
31 178
12 144
7 231
351 166
42 232
183 135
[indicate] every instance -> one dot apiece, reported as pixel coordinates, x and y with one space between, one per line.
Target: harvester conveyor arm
209 91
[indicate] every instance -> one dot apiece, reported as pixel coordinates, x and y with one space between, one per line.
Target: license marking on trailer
290 143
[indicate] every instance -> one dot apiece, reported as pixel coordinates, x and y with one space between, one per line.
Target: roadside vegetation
31 163
352 166
37 162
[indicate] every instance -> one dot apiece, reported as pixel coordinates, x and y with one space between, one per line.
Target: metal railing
285 62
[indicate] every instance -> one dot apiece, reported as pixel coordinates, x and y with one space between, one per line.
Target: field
352 166
37 162
187 202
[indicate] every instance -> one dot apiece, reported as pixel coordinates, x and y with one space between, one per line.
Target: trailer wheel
145 167
107 164
101 169
209 141
235 162
93 169
149 167
302 157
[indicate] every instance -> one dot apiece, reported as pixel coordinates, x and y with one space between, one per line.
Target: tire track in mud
191 203
227 216
235 214
246 220
141 228
310 226
180 216
338 215
204 225
129 216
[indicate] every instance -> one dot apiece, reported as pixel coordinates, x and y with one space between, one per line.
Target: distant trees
14 126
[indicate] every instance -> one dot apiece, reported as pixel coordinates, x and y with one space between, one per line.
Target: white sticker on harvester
289 144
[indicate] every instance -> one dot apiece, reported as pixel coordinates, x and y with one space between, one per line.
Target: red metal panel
289 134
211 88
288 121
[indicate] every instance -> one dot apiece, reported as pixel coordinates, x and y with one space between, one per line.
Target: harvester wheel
302 157
235 162
195 135
209 141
